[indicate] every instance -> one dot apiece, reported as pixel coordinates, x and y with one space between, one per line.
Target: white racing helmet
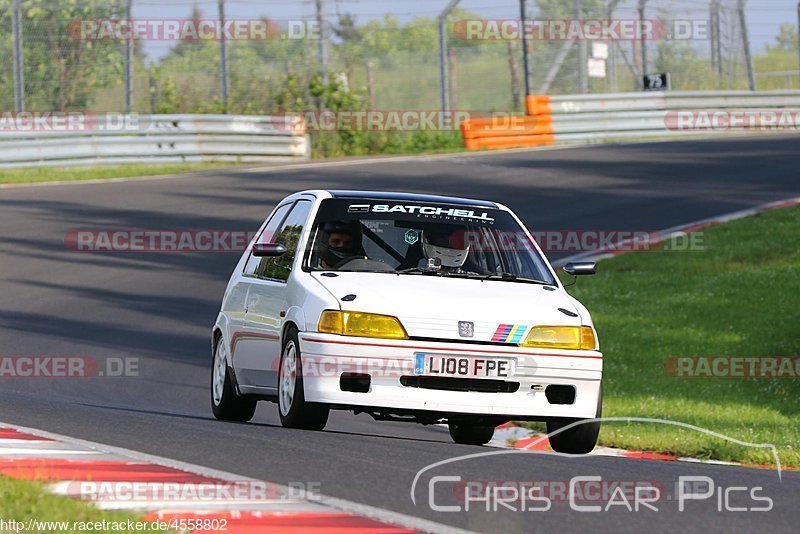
437 248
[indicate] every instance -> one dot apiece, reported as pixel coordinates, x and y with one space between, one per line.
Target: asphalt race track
159 308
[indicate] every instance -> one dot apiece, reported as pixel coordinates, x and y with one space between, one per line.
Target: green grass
52 174
738 297
22 500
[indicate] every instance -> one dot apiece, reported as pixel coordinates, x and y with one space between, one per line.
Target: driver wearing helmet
442 251
341 241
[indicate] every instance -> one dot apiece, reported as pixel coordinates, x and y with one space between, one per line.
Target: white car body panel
255 313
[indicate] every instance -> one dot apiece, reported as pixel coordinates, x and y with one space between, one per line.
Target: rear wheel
293 409
470 434
226 404
579 439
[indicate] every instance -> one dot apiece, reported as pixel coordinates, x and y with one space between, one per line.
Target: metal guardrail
117 138
591 118
603 117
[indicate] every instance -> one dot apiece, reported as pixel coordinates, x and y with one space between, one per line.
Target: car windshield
419 238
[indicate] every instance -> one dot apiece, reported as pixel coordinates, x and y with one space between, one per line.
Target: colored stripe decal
509 333
501 332
519 332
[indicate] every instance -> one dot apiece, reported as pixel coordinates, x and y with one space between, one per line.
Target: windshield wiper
511 277
421 270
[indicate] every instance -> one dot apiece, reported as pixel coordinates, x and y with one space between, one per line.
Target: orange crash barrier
533 129
511 141
538 105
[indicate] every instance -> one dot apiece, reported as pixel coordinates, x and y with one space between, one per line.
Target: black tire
580 439
298 413
229 406
469 434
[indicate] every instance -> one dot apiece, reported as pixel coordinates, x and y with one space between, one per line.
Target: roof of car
413 197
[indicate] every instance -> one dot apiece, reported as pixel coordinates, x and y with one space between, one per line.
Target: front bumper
327 356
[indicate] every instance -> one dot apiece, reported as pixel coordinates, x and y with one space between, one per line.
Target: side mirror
271 250
580 267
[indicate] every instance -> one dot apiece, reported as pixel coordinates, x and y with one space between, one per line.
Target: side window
287 235
266 237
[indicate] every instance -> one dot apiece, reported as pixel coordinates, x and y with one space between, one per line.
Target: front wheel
469 434
579 439
293 409
226 404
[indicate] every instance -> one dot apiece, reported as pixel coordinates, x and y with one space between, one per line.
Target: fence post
514 69
716 49
19 62
612 53
322 44
223 56
129 62
523 15
642 40
444 82
583 80
751 78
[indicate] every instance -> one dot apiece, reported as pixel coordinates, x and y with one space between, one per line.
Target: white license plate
462 366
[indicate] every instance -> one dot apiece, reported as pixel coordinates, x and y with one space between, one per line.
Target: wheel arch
285 330
215 338
295 318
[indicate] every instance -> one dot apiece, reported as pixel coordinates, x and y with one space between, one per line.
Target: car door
258 349
242 337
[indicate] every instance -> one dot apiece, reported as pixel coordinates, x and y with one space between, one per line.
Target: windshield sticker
358 208
412 236
436 212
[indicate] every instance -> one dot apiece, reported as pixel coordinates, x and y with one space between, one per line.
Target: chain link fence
75 55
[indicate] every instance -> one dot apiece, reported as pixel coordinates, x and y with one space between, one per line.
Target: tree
786 40
63 70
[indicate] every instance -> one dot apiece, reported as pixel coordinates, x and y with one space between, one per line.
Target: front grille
459 384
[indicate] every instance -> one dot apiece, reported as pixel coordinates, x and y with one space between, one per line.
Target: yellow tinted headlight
588 341
361 324
331 322
561 337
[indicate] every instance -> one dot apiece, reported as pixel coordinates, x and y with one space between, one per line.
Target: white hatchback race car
406 307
